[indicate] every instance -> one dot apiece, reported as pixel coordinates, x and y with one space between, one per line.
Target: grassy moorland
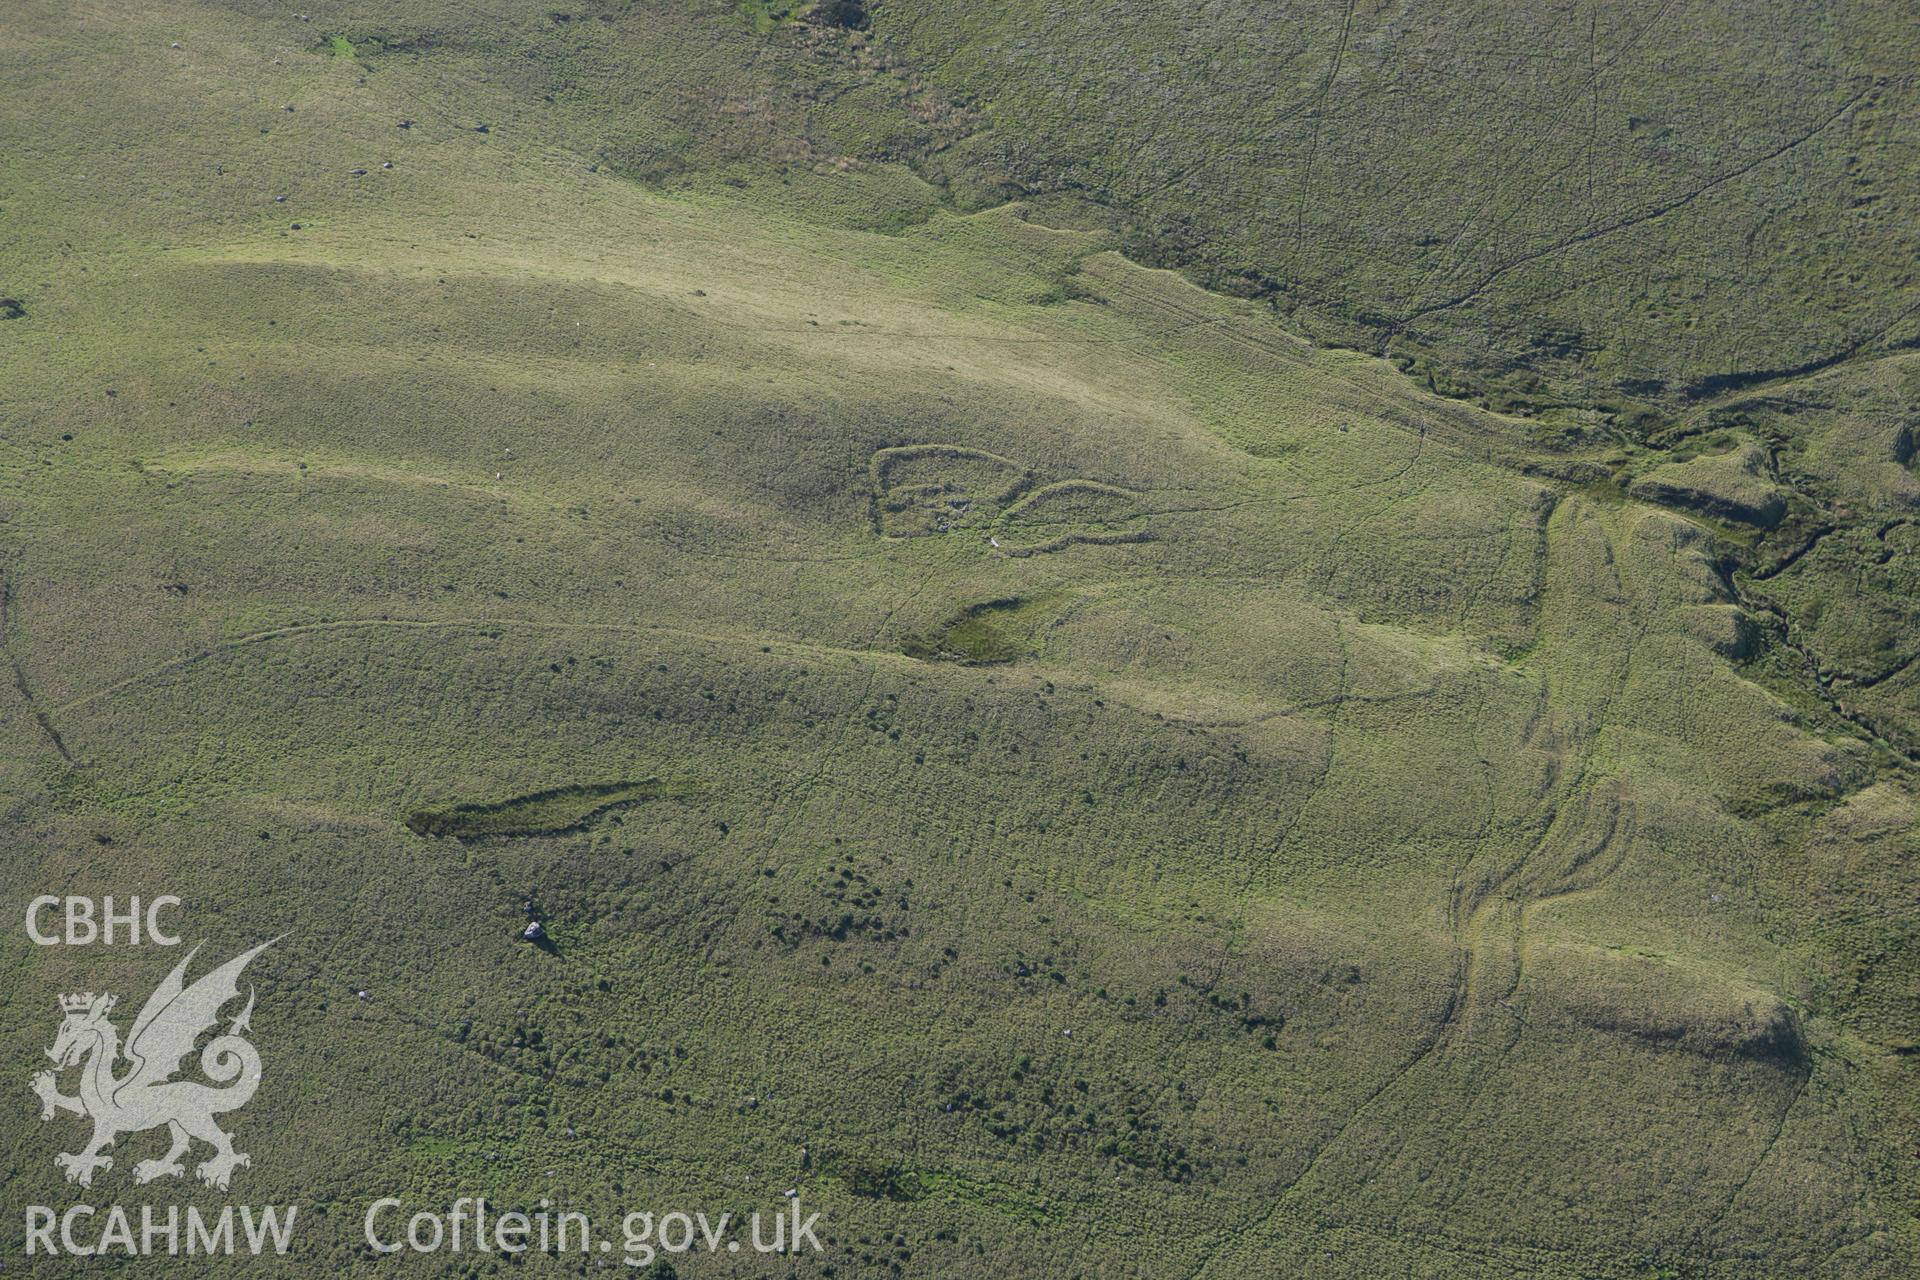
1071 769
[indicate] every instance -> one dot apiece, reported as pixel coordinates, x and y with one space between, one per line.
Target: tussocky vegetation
1113 640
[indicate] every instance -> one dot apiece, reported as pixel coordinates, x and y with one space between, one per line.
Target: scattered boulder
536 933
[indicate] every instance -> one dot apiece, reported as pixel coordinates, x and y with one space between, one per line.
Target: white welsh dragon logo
147 1096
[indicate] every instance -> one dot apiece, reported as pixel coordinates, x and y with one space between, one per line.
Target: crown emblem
77 1003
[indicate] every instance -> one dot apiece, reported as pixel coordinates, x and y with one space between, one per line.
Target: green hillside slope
1060 766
